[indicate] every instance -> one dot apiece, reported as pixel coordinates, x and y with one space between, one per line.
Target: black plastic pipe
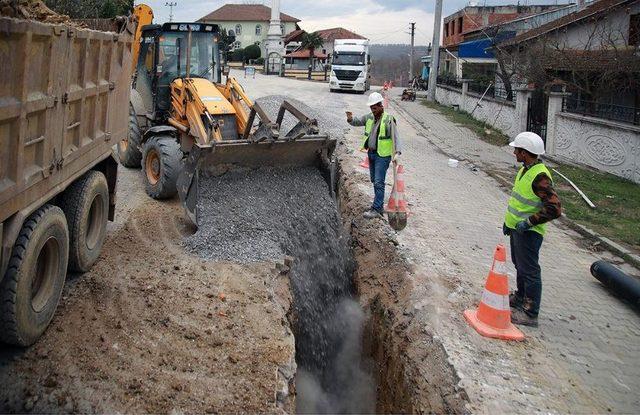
623 284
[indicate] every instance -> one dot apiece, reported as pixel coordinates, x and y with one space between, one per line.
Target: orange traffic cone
493 316
365 163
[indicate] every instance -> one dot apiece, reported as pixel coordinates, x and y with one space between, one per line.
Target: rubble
31 10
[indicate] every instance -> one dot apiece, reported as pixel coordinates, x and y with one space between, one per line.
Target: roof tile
244 13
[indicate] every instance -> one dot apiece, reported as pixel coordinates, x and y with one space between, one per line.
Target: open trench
359 348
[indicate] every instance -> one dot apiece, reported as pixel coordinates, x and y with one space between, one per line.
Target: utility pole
435 52
171 4
413 31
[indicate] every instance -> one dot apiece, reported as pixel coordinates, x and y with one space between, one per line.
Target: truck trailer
350 66
64 95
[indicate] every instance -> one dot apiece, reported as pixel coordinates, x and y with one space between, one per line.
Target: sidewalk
584 357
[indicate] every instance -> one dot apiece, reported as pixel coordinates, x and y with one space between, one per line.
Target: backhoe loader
184 122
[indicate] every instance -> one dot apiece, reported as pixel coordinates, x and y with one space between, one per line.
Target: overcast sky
382 21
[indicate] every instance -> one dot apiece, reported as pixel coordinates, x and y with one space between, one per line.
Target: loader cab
164 51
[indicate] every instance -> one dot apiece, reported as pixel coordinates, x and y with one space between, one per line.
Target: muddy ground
153 329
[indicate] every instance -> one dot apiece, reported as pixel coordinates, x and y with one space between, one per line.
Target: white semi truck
350 66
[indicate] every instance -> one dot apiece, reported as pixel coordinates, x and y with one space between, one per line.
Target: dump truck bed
64 95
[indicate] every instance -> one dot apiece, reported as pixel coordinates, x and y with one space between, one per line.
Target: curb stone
608 244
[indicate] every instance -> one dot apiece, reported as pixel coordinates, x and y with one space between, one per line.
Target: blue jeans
378 173
524 254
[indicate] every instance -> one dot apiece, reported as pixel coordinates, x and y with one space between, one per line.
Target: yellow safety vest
523 201
385 142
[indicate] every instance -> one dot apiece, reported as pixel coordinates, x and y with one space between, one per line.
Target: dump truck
184 121
62 90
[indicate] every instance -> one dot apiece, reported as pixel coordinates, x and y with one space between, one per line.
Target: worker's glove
523 226
505 229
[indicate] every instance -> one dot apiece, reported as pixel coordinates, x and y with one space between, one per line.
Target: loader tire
33 282
128 149
86 206
161 163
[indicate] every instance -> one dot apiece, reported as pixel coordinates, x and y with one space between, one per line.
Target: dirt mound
31 10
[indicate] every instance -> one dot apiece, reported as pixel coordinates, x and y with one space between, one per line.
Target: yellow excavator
185 122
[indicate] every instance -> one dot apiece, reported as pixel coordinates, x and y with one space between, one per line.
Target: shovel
396 218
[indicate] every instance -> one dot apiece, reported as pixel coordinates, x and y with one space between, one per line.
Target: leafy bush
252 52
237 55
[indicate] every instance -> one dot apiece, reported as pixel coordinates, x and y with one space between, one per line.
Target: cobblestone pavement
584 357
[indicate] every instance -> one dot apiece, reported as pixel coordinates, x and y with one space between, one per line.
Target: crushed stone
246 215
327 120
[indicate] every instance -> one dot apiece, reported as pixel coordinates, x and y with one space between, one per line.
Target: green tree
312 41
252 52
238 55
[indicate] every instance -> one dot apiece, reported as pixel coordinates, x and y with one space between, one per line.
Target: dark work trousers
378 173
525 248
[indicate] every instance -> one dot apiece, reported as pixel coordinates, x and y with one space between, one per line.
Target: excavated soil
153 329
31 10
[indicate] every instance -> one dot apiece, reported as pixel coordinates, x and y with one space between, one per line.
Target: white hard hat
374 98
529 141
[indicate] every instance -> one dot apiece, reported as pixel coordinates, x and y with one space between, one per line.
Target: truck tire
86 205
128 151
33 282
161 163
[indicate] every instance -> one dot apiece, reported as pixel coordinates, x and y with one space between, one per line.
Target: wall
497 113
615 28
605 145
248 36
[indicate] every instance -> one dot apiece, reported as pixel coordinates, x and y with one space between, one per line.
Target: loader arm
234 93
190 112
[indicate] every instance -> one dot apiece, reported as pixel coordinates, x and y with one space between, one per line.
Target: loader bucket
214 160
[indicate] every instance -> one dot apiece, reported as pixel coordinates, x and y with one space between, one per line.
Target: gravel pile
328 121
248 215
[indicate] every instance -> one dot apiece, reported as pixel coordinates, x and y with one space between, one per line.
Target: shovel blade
397 220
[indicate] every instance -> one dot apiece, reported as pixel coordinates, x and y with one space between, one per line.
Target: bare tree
597 63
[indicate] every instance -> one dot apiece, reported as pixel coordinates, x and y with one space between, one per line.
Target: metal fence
601 110
479 88
492 91
450 81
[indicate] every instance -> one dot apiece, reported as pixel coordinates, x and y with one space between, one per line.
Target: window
446 30
634 30
258 30
238 30
453 27
282 28
460 25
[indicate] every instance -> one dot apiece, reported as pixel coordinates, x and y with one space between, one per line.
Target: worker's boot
521 318
372 214
515 301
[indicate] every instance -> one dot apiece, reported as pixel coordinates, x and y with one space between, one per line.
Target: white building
249 23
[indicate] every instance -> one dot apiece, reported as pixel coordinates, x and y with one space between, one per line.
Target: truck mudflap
308 150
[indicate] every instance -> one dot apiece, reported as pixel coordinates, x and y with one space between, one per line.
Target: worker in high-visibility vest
532 204
382 144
